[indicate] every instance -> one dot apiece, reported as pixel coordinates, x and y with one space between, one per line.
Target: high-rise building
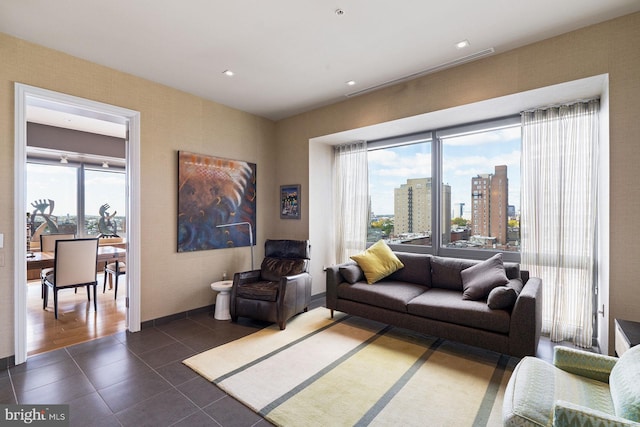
412 208
490 201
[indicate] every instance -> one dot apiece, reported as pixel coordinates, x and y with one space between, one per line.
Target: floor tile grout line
13 387
199 410
93 385
155 370
176 386
98 391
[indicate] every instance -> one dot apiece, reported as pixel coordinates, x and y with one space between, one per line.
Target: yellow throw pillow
378 261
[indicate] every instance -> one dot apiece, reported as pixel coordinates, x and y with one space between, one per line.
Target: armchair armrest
569 414
294 280
583 363
295 294
246 277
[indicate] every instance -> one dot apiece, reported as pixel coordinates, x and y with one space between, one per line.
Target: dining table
106 254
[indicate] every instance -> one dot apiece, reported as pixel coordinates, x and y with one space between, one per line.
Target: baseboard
7 362
182 315
318 300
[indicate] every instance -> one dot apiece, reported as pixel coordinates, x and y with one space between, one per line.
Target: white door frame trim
22 92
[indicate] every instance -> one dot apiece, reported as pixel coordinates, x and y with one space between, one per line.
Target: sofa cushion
625 387
417 269
480 279
352 273
377 262
387 294
446 305
445 272
503 297
272 269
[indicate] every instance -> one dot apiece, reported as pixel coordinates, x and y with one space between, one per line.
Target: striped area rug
355 372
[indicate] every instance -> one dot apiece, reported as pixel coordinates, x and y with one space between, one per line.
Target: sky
464 157
59 184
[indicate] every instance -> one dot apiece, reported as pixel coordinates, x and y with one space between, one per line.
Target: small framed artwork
290 201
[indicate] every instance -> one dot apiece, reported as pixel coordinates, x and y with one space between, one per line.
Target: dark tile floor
135 379
138 379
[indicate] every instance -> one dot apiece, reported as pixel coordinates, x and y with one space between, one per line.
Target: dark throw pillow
504 297
351 273
480 279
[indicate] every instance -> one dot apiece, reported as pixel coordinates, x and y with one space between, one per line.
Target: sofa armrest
583 363
526 319
333 279
569 414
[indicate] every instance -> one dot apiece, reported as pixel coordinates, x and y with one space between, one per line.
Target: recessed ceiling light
462 44
339 12
351 82
228 73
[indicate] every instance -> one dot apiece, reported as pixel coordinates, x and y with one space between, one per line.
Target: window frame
435 137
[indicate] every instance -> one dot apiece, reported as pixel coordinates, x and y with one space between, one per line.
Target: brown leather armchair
280 289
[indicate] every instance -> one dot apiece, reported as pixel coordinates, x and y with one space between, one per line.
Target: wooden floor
77 320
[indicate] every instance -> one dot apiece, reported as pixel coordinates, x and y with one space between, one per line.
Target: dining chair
113 269
75 266
48 244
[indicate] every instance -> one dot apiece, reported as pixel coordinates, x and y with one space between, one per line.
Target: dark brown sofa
426 296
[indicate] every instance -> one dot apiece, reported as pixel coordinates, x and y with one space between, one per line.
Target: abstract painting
214 191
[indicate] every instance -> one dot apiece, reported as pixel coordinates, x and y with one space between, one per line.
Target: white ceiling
290 56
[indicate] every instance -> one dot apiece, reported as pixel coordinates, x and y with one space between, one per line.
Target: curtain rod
564 104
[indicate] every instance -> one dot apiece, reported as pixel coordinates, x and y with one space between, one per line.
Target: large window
75 198
476 169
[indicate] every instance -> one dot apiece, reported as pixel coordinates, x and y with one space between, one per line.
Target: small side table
222 300
627 335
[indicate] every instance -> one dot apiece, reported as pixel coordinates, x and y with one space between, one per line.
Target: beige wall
610 47
170 120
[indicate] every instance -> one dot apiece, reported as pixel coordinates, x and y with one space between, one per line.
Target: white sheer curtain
351 201
559 200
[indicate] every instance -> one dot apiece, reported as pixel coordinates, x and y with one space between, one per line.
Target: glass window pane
52 198
105 202
481 172
400 194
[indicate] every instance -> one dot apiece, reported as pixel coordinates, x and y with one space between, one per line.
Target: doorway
29 95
